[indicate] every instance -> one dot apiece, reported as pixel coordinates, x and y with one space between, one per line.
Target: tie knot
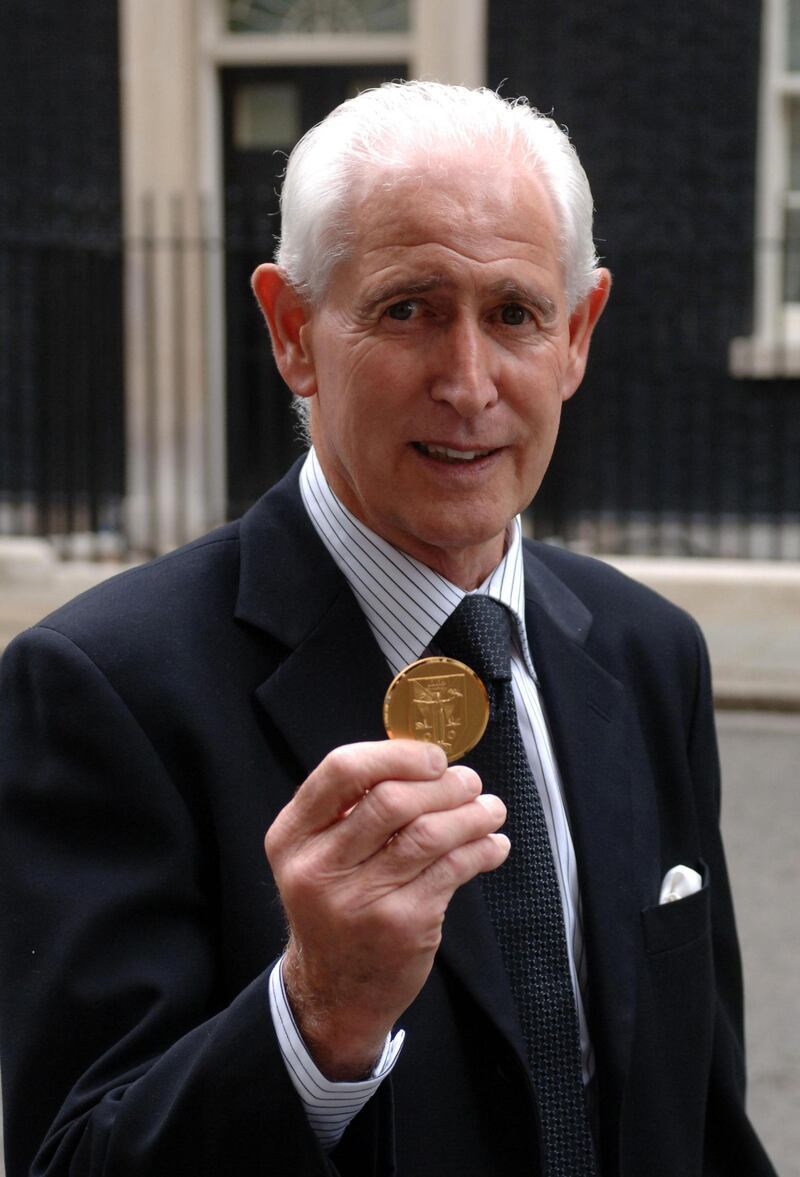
478 633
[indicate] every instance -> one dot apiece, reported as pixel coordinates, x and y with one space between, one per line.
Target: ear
582 323
288 317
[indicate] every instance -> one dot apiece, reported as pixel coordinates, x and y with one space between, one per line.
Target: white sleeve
329 1106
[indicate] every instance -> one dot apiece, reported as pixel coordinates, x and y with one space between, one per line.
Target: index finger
347 773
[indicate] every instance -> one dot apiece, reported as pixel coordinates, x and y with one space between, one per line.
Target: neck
466 569
465 564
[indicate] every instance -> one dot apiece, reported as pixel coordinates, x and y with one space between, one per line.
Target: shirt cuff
329 1105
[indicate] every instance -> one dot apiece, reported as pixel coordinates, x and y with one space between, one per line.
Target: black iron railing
662 450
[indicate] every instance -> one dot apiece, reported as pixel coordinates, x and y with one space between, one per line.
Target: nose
464 375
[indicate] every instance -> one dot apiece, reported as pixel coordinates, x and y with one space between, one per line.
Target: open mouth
443 453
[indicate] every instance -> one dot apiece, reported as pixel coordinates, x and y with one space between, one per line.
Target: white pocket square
679 883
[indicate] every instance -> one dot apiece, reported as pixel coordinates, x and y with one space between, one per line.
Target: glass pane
317 16
791 257
793 45
794 145
266 115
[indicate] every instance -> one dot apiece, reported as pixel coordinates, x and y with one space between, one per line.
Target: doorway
265 111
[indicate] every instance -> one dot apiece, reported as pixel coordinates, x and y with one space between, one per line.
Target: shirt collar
405 602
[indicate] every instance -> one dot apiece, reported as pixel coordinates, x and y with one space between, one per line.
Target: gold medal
440 701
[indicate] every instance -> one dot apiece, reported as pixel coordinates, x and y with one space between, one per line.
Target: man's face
439 360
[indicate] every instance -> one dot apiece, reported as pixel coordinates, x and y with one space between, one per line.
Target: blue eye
401 310
514 315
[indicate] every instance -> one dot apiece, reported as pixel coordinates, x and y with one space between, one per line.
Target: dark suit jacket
151 731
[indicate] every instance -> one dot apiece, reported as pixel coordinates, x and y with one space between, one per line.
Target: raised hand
367 856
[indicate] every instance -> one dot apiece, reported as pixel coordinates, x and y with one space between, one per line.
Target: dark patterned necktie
523 897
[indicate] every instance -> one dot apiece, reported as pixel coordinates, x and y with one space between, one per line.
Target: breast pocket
677 982
671 1057
670 926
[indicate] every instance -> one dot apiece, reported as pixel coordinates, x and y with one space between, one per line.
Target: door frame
171 57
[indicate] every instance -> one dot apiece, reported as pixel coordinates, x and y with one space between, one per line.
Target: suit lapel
328 689
588 715
316 698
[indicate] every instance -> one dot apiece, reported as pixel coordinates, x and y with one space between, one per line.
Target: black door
265 112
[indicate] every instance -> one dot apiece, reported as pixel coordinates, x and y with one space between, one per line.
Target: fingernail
468 777
492 803
436 758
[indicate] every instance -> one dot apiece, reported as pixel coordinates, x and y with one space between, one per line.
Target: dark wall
61 439
661 101
59 102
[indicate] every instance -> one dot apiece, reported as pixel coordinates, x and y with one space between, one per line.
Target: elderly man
464 969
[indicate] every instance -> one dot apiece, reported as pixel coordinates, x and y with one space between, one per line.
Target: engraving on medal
438 701
438 709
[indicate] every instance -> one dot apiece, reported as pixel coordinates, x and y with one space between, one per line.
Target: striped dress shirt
406 604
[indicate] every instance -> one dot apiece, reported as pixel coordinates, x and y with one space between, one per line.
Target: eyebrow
506 290
510 291
400 288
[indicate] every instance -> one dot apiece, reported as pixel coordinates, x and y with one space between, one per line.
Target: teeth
441 451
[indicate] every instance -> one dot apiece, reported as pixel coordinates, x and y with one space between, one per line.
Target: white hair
388 128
